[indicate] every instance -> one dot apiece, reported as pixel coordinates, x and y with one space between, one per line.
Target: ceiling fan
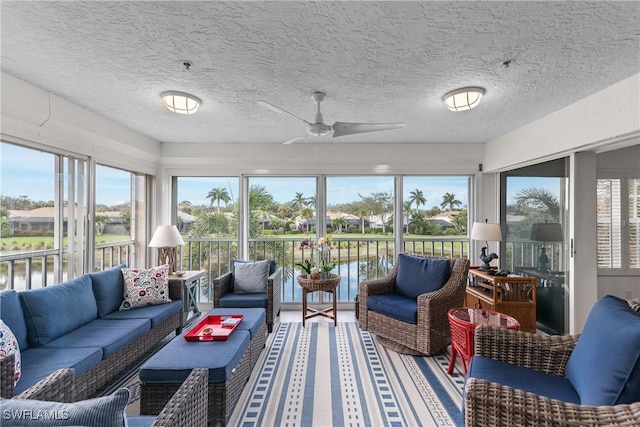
319 128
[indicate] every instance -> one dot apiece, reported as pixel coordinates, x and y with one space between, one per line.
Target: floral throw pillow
8 346
145 287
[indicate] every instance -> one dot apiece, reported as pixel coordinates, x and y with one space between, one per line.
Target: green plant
305 266
326 266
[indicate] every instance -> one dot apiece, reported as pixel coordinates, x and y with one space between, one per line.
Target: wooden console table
511 295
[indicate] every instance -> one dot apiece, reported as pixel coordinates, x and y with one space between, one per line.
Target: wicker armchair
223 285
489 403
431 334
186 408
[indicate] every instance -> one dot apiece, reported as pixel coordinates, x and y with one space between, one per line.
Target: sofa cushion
9 346
604 366
55 310
108 289
256 300
12 315
417 275
156 313
175 361
517 377
250 277
110 335
272 267
145 287
396 306
37 363
107 411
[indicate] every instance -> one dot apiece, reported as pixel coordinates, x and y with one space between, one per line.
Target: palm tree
299 201
450 202
406 211
307 214
339 222
418 198
362 213
220 195
259 198
539 198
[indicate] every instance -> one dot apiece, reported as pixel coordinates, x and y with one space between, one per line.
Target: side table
315 285
463 323
189 281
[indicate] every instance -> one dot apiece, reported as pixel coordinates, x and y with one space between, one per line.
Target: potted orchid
309 269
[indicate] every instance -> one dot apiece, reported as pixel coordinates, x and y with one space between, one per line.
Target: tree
460 221
211 223
540 199
125 217
450 202
379 204
339 222
101 222
218 195
418 198
299 202
362 214
307 214
406 211
259 198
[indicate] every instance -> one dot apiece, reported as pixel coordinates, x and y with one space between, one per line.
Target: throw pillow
8 346
145 287
105 411
418 275
251 277
635 305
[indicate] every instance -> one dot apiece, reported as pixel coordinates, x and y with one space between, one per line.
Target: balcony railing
356 259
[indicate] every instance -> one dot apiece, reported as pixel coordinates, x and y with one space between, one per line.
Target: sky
34 178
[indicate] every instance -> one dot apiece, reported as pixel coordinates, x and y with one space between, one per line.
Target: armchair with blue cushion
250 284
586 379
407 309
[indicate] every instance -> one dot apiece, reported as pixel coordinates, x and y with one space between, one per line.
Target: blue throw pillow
417 275
105 411
604 366
12 315
108 288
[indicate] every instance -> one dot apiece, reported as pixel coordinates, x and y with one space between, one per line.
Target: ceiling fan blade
342 128
291 141
280 110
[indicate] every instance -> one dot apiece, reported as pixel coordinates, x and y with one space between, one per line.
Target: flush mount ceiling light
180 102
463 99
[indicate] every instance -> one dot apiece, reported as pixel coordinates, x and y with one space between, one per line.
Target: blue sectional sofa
77 324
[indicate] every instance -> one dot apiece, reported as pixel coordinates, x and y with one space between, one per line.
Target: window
618 229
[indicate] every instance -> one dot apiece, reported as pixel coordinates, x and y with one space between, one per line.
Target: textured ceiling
376 61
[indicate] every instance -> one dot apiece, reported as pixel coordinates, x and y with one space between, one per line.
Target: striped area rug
321 375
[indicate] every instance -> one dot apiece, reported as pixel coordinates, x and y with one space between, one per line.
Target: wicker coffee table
314 285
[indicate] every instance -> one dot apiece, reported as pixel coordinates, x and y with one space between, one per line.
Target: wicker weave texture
431 334
222 285
189 404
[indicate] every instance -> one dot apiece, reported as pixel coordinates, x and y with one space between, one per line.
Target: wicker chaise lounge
430 334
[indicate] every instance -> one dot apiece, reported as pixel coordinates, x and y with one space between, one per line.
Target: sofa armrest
188 406
221 287
381 286
487 403
544 353
175 290
57 387
7 369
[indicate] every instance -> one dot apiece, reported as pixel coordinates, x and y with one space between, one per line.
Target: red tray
212 328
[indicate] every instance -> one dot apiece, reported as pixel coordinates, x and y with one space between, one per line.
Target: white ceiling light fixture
180 102
463 99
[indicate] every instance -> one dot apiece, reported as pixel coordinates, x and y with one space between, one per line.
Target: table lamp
546 232
488 232
166 239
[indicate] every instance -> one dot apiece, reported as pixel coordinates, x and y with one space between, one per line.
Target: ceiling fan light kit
463 99
180 102
319 128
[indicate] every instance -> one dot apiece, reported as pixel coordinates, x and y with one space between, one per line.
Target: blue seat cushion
417 275
12 315
141 421
39 362
253 318
256 300
55 310
174 362
110 335
604 366
396 306
517 377
156 313
108 289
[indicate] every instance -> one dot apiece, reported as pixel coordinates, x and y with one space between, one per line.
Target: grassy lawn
31 243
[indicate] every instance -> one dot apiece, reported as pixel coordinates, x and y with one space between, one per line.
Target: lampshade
486 231
180 102
547 232
166 236
463 99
